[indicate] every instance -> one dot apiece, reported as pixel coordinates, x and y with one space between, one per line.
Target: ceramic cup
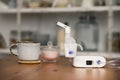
26 50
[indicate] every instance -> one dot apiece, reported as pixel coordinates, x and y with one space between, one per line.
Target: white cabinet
42 20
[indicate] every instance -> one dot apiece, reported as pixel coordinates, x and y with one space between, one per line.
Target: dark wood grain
10 69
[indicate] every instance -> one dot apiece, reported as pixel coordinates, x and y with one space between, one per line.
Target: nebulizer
70 44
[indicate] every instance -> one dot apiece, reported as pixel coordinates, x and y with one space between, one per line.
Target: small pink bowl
49 53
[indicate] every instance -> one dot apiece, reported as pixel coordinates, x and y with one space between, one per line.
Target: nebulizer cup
70 44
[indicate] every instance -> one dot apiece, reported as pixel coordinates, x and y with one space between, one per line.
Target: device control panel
89 61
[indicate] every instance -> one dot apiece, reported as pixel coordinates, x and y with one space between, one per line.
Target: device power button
70 52
99 62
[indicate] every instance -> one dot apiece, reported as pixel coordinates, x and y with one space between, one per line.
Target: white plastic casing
70 50
89 61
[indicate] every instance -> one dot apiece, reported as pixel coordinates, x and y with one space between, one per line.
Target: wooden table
10 69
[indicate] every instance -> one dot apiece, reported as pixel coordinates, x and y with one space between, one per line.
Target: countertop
10 69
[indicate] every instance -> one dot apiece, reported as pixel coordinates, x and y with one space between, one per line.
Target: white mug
27 50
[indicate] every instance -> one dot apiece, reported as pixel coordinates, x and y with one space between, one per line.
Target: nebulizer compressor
70 46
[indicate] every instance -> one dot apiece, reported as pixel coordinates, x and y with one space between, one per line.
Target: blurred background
94 23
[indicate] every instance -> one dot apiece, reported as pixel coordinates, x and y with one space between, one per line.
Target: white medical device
70 43
89 61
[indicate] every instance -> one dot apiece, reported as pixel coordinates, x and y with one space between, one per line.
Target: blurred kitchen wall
44 23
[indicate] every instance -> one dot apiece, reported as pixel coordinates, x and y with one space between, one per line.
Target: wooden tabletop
10 69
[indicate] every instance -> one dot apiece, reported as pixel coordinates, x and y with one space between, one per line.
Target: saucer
29 61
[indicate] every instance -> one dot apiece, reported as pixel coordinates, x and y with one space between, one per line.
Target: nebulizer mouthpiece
70 44
68 37
67 28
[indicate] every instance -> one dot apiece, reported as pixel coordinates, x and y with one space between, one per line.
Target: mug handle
80 46
11 46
